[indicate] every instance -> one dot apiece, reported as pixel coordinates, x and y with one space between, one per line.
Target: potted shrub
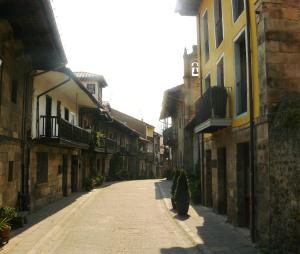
182 194
173 188
6 214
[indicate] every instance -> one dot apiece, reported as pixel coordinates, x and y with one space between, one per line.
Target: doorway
243 184
208 179
74 173
222 181
65 175
48 130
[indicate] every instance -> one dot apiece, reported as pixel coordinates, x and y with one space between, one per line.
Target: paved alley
125 217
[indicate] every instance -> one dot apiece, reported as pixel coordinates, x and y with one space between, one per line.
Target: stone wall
44 193
279 57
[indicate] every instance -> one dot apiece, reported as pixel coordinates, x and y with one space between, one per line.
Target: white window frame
236 38
222 56
205 77
232 14
223 31
202 17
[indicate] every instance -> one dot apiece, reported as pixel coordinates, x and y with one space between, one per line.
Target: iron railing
212 104
55 127
170 136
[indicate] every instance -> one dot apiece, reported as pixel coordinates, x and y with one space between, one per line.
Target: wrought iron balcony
170 136
58 130
211 110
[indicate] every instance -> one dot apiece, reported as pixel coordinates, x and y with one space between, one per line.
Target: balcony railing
170 136
103 144
211 110
53 127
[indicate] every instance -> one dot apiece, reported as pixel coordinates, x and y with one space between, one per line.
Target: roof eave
187 7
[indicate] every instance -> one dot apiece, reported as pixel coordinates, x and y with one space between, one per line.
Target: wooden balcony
170 136
100 143
58 131
211 111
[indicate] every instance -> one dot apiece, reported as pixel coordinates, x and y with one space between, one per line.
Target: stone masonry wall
278 28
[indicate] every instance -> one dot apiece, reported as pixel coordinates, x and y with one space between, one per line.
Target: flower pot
4 234
173 203
182 207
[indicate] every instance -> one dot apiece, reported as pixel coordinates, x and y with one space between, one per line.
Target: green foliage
100 139
3 223
175 179
93 181
8 213
195 188
168 174
182 192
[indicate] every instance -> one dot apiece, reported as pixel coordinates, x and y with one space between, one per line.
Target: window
14 91
10 171
42 167
237 8
220 73
218 22
91 88
241 76
67 114
207 82
205 36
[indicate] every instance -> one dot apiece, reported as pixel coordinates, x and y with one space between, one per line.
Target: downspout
252 141
201 147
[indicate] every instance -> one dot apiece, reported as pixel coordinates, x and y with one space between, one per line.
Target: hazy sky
137 45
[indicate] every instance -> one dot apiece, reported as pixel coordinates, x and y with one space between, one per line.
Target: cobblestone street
126 217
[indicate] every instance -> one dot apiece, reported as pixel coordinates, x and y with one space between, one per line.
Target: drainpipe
252 141
201 146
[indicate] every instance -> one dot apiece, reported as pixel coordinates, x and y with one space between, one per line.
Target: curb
193 237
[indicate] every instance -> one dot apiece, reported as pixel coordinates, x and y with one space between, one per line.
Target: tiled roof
90 76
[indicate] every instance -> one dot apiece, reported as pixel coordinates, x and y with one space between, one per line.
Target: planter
173 203
182 207
4 234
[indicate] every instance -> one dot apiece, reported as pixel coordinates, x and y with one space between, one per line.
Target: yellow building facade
247 114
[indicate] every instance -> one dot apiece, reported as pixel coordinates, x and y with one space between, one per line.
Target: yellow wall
149 131
230 31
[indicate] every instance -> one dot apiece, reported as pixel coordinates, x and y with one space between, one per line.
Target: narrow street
125 217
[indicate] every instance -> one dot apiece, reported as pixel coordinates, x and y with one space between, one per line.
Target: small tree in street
182 194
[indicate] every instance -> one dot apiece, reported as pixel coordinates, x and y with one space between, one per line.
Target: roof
187 7
33 22
138 125
72 88
171 98
124 126
91 76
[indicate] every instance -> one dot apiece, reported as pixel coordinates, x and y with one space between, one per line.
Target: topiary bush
195 188
173 187
182 194
168 174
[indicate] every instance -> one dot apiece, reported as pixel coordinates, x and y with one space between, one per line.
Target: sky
137 45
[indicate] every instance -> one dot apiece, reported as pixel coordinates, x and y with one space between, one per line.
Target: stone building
24 48
247 116
58 161
178 110
145 155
